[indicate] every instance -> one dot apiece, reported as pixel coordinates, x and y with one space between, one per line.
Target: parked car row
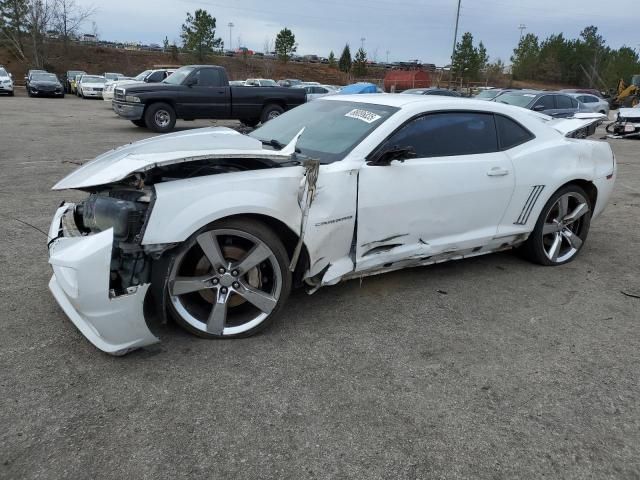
564 103
6 82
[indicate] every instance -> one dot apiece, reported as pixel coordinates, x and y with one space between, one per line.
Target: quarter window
511 133
448 134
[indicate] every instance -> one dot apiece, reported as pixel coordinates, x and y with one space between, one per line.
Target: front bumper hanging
80 285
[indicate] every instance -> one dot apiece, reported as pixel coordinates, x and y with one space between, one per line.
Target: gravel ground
484 368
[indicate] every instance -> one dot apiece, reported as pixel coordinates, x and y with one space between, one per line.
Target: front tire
561 229
229 280
160 117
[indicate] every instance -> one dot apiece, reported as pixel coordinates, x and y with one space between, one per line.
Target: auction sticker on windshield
364 115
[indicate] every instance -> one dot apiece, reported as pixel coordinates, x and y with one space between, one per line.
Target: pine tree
345 60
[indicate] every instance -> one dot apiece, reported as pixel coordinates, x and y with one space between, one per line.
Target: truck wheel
139 123
250 123
160 117
270 112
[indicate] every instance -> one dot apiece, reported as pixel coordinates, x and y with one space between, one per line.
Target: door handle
498 172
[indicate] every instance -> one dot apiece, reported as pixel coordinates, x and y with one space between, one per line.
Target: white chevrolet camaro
214 228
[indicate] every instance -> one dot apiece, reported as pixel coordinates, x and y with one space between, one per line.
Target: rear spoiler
581 125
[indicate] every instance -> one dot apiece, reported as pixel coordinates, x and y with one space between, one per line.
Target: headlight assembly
132 99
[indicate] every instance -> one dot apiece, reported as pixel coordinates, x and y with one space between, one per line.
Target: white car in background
91 86
6 82
148 76
214 228
260 82
317 91
592 103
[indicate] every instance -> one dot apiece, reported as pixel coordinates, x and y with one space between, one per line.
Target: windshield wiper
273 143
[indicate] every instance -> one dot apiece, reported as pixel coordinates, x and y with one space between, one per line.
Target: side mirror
390 154
538 108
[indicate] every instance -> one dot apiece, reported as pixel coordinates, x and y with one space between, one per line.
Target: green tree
494 71
525 57
199 33
360 63
14 23
332 60
483 58
466 62
166 44
285 44
344 64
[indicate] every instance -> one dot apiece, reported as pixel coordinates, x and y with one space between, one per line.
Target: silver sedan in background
592 103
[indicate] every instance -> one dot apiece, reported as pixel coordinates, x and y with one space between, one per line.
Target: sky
406 29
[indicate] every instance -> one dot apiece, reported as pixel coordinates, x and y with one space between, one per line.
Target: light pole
522 27
362 39
455 38
230 25
387 56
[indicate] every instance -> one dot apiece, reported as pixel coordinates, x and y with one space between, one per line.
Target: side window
208 77
546 101
574 102
584 99
155 77
564 101
590 99
448 134
511 134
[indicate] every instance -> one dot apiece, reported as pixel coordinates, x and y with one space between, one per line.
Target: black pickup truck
201 91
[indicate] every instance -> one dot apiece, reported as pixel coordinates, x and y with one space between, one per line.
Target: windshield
92 79
45 77
268 83
332 128
142 75
112 76
517 99
488 94
3 73
414 91
178 76
73 73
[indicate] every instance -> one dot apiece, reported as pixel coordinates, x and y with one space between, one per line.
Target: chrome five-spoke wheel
562 227
229 280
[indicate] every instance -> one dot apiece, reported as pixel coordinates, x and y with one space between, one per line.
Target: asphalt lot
484 368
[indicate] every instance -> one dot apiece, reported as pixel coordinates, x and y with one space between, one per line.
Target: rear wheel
270 112
561 229
229 280
160 117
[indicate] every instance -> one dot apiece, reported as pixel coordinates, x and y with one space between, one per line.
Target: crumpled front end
113 321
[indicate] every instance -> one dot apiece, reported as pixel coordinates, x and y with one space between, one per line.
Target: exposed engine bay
126 206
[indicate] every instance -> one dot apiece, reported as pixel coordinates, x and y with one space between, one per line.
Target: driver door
448 200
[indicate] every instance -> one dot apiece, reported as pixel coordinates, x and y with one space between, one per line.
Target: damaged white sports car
214 228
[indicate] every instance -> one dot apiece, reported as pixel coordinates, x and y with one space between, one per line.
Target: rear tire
160 117
270 112
561 229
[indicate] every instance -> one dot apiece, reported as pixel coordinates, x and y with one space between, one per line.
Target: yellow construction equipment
628 95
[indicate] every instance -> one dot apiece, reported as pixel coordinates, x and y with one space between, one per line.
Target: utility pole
455 39
387 56
522 27
230 25
362 39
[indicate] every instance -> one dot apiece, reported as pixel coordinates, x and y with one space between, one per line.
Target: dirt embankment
98 60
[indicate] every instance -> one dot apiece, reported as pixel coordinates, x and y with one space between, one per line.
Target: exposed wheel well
587 186
280 103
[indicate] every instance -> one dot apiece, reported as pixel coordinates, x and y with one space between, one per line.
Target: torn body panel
80 283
